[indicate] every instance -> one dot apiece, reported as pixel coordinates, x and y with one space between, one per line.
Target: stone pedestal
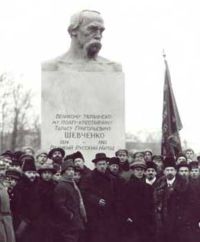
83 111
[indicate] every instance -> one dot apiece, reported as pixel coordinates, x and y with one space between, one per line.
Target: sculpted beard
92 48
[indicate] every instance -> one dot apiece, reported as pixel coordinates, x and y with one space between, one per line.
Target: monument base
83 111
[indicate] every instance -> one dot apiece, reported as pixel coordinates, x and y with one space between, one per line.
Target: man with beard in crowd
172 201
181 158
57 155
99 196
30 205
139 206
194 170
184 171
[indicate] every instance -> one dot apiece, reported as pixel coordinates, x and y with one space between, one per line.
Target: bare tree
21 104
17 120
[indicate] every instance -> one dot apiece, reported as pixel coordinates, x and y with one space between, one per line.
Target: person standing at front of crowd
69 207
98 190
6 222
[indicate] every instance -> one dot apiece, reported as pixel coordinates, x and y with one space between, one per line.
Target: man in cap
148 155
69 207
150 173
57 155
98 190
138 156
139 206
124 169
189 153
46 186
28 150
172 202
41 157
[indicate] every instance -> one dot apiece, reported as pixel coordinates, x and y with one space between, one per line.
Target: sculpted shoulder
100 64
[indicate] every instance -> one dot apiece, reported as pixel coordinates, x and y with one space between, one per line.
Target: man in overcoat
98 190
172 200
69 209
139 205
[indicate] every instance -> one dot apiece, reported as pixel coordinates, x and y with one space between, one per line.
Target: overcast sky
136 33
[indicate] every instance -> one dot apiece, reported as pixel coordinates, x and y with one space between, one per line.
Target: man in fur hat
79 163
30 206
172 202
151 173
57 155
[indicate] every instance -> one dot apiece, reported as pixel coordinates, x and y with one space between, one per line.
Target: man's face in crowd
101 166
184 172
57 156
79 163
122 156
181 159
150 173
29 152
11 182
170 172
148 156
47 175
114 168
194 173
57 176
77 176
31 175
159 164
139 156
189 154
138 172
69 173
42 158
89 34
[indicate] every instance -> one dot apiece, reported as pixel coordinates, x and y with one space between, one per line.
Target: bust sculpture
85 29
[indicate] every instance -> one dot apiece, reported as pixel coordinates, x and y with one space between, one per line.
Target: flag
171 122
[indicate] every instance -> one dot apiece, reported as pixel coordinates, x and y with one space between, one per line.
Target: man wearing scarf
69 207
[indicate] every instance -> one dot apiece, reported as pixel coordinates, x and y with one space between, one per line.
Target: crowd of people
130 197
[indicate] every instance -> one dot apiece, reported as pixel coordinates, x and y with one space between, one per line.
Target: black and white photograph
99 121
